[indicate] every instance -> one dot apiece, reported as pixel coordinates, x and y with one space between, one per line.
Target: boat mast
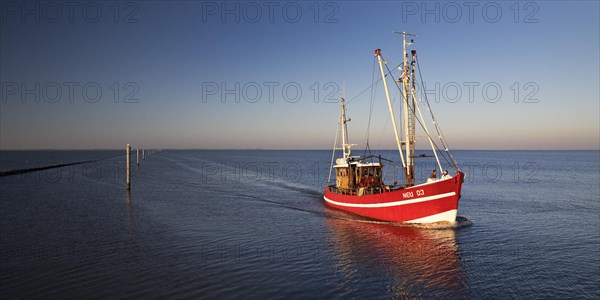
409 113
345 147
389 101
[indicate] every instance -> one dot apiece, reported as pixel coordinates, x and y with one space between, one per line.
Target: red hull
426 203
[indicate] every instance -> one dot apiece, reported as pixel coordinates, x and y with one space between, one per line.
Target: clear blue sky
175 58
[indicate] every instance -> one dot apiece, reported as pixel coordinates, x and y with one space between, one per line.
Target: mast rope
436 125
366 89
447 159
337 131
371 105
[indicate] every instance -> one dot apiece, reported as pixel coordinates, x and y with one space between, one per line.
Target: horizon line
269 149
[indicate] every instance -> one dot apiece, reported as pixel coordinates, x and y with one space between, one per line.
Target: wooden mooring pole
128 178
137 156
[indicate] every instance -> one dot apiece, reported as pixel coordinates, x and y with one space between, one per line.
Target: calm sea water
252 224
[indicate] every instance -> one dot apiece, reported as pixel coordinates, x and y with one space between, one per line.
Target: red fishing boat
359 187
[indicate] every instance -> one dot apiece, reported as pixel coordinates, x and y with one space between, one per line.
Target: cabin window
342 172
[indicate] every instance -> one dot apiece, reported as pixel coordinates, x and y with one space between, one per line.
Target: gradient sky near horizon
191 74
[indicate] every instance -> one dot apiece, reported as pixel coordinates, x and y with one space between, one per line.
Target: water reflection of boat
416 262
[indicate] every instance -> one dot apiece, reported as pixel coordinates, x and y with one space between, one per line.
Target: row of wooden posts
128 156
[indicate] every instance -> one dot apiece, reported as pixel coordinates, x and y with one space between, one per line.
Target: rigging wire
367 134
366 89
422 126
337 131
436 125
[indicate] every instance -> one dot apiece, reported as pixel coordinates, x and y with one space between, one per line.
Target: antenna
402 32
412 41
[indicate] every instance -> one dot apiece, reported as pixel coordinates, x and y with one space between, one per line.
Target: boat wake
461 222
270 181
281 204
294 187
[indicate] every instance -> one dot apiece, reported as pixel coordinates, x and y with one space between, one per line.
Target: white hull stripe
395 203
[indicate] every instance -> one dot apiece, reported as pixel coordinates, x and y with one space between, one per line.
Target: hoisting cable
438 129
420 123
367 134
337 131
363 91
